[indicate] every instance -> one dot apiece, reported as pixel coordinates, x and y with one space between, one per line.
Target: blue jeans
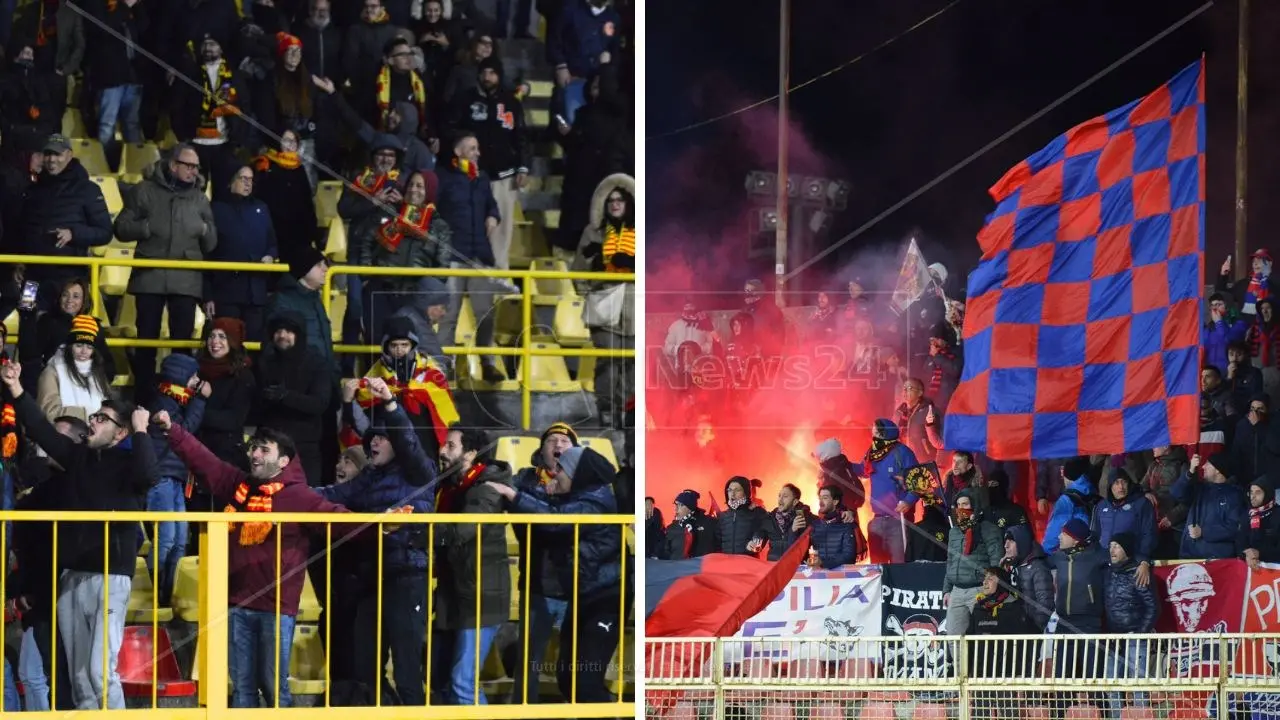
122 103
252 661
464 685
35 685
570 98
12 702
1126 660
545 615
170 545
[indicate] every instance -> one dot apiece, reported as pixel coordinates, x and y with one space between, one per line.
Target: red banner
1261 658
1201 598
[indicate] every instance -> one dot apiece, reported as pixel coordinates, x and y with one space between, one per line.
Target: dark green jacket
456 557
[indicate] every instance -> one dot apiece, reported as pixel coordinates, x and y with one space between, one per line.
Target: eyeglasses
187 165
101 418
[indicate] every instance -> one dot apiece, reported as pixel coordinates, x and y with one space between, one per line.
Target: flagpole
784 214
1242 142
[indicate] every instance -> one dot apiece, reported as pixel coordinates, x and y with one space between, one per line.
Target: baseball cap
57 143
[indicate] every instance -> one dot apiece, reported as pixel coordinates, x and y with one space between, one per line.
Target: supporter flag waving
1081 334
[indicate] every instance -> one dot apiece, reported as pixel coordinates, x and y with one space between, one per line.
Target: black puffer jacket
776 529
1130 609
1031 575
694 536
66 200
738 527
303 377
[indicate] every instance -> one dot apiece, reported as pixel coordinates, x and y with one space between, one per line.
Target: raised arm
221 478
418 468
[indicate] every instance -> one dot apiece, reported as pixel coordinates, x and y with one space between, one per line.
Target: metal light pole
784 215
1242 143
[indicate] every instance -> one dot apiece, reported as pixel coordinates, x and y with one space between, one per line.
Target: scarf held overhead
413 220
427 388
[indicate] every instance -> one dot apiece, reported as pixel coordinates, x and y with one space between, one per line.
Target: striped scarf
935 379
1259 289
286 160
255 500
416 219
427 390
1264 343
618 240
371 182
179 393
468 168
383 88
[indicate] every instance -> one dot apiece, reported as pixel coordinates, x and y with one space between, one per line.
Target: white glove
828 449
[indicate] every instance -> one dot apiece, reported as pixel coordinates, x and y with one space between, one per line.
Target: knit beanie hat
1075 468
356 455
1078 529
560 428
688 498
305 259
284 41
233 328
1220 461
1127 542
84 329
177 368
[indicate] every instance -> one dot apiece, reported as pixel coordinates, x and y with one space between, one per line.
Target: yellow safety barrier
526 351
927 676
211 670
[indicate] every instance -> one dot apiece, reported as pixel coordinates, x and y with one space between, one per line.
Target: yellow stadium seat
465 332
538 117
560 287
526 242
306 662
471 376
308 605
587 373
568 328
550 218
508 323
91 156
335 245
513 544
540 88
602 446
548 373
492 668
110 192
12 325
73 124
168 139
131 178
516 588
126 323
115 278
135 158
186 589
516 451
141 597
328 192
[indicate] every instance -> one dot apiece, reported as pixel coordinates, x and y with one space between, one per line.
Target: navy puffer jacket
833 541
1130 609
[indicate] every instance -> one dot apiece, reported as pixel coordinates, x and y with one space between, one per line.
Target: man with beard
788 522
971 549
741 520
295 390
275 483
691 533
1126 509
965 475
396 478
472 564
832 539
211 117
1260 536
111 470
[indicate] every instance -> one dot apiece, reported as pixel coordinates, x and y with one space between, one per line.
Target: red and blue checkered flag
1081 335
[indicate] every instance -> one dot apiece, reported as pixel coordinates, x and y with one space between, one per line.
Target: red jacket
252 568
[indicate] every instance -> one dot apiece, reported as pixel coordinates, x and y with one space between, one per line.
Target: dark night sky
897 119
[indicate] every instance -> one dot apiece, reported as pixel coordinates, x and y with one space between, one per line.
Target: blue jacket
1215 336
1130 609
1219 509
599 546
1080 579
1133 515
245 234
403 481
833 541
886 490
168 464
579 36
465 204
293 297
1064 508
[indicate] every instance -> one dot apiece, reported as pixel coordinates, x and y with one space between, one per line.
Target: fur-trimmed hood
616 180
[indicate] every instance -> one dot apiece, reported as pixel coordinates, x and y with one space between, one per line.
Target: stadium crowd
1068 543
258 104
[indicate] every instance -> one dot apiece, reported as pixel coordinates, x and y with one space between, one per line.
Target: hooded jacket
1134 514
535 560
1261 529
110 479
1161 475
302 375
886 491
252 568
1031 576
415 155
600 547
966 570
1130 609
1219 509
1071 503
1000 512
456 567
379 488
1080 577
168 221
497 120
189 416
739 526
292 297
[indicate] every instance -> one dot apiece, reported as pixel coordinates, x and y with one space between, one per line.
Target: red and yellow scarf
470 169
8 417
286 160
254 500
414 220
218 102
47 24
384 95
371 182
427 390
449 494
379 17
618 240
179 393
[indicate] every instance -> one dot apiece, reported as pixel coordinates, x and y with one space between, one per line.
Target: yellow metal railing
526 351
993 677
212 658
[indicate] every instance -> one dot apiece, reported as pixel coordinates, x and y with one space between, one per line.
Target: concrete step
539 201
